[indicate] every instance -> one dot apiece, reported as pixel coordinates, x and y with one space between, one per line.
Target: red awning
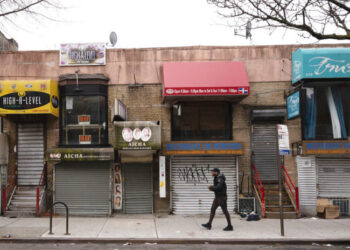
223 78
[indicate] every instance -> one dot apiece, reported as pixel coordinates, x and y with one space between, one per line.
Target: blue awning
320 63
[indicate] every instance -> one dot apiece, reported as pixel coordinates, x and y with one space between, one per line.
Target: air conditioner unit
119 111
343 204
246 204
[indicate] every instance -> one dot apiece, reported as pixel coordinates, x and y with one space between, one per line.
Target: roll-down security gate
264 151
138 188
85 187
190 177
30 153
334 177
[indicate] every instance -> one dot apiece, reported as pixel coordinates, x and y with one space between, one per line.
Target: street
127 246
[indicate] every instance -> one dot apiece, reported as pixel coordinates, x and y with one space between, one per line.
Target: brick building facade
135 77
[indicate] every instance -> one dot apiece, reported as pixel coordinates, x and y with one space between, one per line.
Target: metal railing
260 190
292 188
67 216
42 182
7 192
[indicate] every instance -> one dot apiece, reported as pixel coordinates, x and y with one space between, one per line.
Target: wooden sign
203 148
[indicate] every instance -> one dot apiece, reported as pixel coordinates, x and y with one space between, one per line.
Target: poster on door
283 139
117 188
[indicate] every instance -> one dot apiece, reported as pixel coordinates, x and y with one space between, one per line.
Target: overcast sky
138 24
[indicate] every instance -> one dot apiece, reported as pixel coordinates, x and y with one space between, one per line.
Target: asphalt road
109 246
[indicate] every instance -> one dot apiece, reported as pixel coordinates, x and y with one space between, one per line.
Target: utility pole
282 148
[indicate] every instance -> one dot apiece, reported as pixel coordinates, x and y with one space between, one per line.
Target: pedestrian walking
220 190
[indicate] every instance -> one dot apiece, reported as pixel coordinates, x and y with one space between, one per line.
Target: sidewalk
173 228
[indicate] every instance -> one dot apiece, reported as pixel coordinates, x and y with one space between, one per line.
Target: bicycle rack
67 215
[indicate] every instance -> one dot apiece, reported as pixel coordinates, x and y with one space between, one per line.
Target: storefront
83 162
82 178
320 99
191 164
137 145
30 105
202 96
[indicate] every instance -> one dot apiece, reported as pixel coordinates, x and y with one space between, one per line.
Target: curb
176 241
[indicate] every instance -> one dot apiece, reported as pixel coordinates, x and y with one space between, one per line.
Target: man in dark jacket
219 188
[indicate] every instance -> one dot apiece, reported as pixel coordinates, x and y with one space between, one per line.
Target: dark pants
222 202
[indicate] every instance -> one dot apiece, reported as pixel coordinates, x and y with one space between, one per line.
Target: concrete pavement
174 227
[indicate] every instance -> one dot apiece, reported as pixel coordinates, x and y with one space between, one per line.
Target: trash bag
253 217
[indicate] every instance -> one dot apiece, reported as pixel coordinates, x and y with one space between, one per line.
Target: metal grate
246 204
343 205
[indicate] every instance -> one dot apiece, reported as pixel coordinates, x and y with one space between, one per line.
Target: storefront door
264 151
138 188
30 153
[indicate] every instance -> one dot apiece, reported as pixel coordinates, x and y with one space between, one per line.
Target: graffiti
195 174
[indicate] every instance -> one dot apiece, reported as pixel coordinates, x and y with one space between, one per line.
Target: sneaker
207 226
228 228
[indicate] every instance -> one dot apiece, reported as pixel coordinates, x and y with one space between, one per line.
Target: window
201 121
83 119
326 112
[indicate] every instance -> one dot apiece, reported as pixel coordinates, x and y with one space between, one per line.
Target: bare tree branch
322 19
20 8
35 9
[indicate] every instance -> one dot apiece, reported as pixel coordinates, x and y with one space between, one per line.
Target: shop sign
283 139
320 63
326 147
162 177
206 91
84 139
118 188
138 135
119 111
64 154
82 54
202 148
83 119
29 97
293 105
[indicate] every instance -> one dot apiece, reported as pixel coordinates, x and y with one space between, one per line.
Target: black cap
215 170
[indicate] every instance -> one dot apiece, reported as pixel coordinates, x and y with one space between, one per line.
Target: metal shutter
30 153
307 184
138 188
84 187
264 151
190 177
333 177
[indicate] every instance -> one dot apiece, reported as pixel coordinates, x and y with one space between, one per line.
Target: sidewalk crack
103 226
155 226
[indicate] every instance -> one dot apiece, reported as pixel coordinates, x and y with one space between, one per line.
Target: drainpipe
77 80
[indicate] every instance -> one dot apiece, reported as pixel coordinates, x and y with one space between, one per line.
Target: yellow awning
29 97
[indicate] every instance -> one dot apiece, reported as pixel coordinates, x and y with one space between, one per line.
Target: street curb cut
179 241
